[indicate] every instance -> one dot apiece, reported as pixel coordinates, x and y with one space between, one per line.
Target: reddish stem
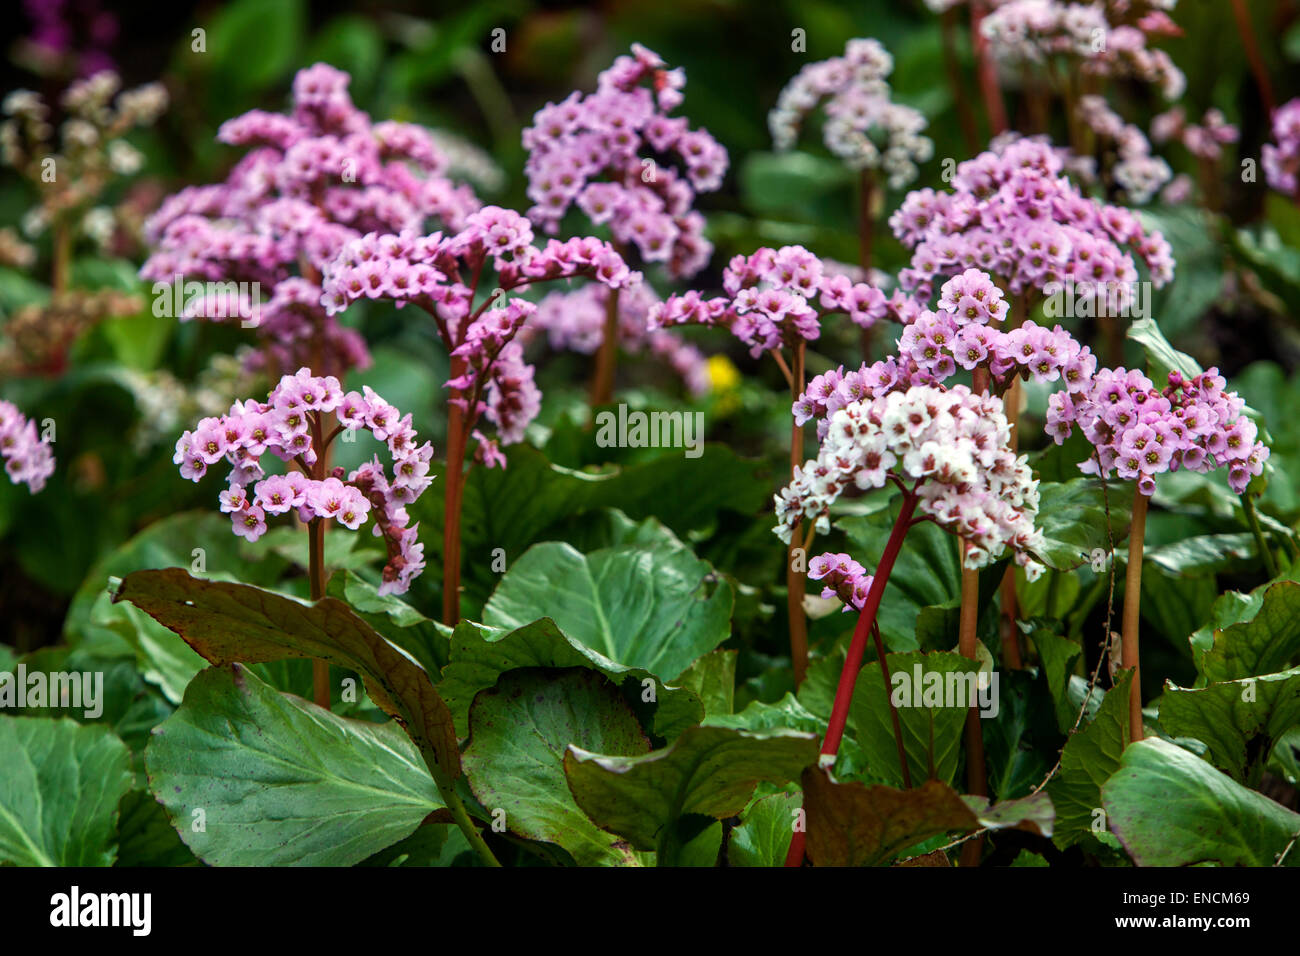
857 648
320 670
987 72
959 95
453 480
1132 613
1253 57
602 384
795 581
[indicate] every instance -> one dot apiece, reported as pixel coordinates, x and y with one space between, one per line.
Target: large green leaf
710 771
932 721
479 655
1057 655
927 572
512 508
195 540
235 622
1015 760
515 759
1073 515
1250 635
59 792
658 608
1090 756
851 824
1239 721
1207 553
762 838
1171 808
713 679
392 617
254 777
1193 235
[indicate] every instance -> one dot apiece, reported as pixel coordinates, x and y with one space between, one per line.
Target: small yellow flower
723 375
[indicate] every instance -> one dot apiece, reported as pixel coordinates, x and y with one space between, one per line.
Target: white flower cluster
863 126
950 447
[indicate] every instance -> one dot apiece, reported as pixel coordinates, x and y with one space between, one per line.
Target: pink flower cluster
605 153
863 126
289 426
843 578
575 321
1140 431
768 300
1136 170
1204 140
441 274
1281 158
1013 213
949 447
311 181
28 459
1031 31
962 334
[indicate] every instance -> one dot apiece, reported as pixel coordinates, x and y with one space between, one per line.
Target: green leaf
932 732
235 622
59 792
97 624
280 781
392 617
1015 765
1162 358
434 844
512 508
1239 721
762 838
1204 553
851 824
1250 635
658 608
1171 808
145 836
479 655
252 43
713 679
781 183
927 572
708 770
1193 235
515 760
1058 655
1090 756
1072 516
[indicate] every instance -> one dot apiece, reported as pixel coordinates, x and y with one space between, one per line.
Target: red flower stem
1132 609
857 648
1252 54
452 482
967 641
987 72
602 383
796 582
959 93
320 670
